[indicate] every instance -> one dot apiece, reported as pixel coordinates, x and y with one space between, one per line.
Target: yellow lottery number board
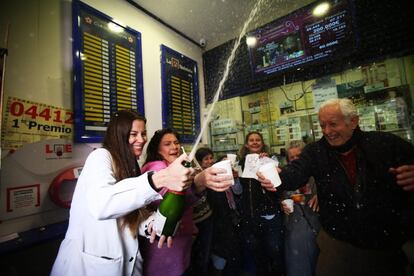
180 100
108 71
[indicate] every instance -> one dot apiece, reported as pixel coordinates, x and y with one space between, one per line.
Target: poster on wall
108 71
180 100
323 90
23 197
26 122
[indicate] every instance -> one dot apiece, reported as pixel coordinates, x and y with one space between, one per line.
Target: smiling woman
137 137
261 215
163 149
111 195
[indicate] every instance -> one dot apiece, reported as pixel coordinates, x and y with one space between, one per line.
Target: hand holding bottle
169 212
161 240
175 177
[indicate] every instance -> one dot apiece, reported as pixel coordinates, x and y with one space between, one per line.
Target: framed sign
180 99
107 71
27 122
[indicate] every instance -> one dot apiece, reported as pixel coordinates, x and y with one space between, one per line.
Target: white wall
39 68
39 64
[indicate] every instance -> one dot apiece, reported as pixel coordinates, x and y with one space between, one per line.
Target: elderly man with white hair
365 183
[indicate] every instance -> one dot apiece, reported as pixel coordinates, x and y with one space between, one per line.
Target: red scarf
348 160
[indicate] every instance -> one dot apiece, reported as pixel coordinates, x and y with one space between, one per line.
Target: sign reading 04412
28 122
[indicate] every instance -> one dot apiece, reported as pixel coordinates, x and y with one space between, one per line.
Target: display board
107 71
301 38
180 100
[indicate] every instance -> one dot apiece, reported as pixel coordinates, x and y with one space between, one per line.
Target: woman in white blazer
108 204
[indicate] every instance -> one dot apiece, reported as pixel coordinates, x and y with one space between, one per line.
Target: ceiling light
321 9
251 41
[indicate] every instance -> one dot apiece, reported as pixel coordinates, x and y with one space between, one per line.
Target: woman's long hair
154 144
124 162
244 151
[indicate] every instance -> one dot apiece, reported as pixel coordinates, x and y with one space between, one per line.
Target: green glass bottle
170 211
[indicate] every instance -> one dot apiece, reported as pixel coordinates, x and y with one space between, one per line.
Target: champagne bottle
170 211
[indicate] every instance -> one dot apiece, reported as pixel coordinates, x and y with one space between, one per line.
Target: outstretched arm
213 178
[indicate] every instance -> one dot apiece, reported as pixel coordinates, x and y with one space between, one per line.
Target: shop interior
250 76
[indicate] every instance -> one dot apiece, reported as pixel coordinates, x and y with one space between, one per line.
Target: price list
180 94
108 72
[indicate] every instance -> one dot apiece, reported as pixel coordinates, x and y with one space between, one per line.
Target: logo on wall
58 151
175 63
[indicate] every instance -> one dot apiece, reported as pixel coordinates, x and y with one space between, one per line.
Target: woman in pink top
162 150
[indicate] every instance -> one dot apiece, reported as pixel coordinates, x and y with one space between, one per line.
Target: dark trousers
201 249
264 241
340 258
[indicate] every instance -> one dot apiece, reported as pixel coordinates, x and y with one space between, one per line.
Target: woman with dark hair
108 206
163 150
205 157
262 224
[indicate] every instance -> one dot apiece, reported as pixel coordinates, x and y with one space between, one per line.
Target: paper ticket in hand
251 166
